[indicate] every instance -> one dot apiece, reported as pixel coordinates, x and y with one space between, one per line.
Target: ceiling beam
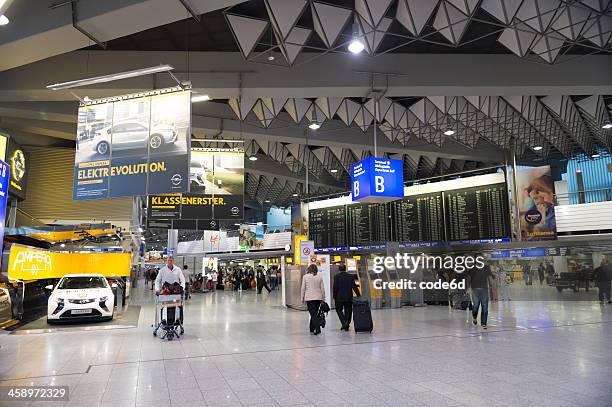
220 74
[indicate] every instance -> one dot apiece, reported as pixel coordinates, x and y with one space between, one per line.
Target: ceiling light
236 224
199 98
537 148
356 46
63 245
449 132
4 20
607 126
252 158
314 126
596 155
267 201
111 77
140 229
333 171
295 194
270 57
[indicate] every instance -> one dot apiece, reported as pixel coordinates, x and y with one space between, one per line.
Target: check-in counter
393 296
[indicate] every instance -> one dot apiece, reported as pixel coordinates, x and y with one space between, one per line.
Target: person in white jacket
171 274
312 293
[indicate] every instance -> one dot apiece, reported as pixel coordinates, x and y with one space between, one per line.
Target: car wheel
156 141
102 148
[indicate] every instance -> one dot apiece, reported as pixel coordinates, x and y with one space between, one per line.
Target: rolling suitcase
362 316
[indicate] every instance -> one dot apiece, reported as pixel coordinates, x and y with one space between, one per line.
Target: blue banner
377 180
4 186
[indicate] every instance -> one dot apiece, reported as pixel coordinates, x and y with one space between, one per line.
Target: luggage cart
169 316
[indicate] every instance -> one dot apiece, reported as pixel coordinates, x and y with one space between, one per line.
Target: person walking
493 284
602 277
479 283
541 271
504 282
261 280
344 286
313 293
170 274
188 281
272 276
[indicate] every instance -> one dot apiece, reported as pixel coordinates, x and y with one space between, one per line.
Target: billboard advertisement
251 237
216 178
133 146
536 201
29 263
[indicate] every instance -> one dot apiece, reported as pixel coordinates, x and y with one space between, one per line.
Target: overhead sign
377 180
216 180
135 145
18 159
4 180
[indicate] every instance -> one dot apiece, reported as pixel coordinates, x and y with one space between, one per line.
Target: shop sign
377 180
18 159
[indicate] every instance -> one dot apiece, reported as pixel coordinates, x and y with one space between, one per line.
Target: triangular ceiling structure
247 31
329 21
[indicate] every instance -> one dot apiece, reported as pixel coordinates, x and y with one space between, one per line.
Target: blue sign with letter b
377 180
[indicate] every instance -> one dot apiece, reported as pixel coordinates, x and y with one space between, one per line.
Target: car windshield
76 283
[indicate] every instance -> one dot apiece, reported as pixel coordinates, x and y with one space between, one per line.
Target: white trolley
169 316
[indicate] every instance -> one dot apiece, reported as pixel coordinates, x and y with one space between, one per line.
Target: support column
172 241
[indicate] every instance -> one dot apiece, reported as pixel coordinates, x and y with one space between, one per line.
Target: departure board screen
327 226
418 218
367 224
477 213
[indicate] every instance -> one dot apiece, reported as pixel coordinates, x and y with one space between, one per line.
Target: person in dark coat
344 286
602 277
261 280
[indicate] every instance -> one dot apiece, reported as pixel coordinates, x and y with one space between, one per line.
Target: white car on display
130 135
81 296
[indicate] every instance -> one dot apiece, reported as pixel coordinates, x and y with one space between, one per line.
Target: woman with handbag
313 293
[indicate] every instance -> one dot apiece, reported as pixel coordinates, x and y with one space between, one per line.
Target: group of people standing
253 278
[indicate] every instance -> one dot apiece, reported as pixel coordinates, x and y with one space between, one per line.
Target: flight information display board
418 218
327 226
477 213
367 224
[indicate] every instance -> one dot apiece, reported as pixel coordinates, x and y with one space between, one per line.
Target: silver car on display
131 135
79 297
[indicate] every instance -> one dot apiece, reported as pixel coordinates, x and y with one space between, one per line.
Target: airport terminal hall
278 203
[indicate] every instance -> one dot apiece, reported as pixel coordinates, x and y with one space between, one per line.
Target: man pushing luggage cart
169 297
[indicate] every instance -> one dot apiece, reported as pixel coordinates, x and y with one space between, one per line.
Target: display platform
129 319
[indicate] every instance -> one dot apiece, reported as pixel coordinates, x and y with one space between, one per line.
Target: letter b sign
379 183
356 188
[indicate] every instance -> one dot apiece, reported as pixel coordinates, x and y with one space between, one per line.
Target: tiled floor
243 349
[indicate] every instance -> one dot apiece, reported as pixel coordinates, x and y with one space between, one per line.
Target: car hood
82 294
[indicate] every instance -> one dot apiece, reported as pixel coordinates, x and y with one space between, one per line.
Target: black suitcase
362 316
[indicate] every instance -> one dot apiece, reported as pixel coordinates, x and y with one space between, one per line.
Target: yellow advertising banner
70 235
29 263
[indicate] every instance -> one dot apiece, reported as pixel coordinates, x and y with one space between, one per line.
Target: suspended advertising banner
216 179
536 200
136 145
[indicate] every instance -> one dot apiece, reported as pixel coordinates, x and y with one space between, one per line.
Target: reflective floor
244 349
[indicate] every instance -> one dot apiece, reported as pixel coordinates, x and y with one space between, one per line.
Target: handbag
322 312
